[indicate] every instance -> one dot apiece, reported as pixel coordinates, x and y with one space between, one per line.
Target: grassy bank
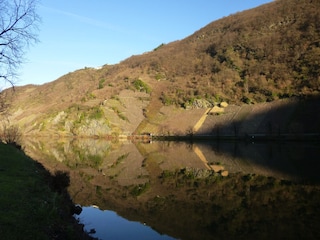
31 205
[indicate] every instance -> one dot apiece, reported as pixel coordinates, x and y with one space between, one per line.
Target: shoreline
35 204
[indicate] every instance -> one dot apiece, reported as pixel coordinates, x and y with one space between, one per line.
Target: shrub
159 76
10 134
139 189
101 83
246 100
141 86
166 100
161 45
60 181
97 113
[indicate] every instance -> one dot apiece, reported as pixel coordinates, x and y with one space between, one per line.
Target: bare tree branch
18 30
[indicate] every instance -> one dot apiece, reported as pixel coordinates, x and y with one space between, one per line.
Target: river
169 190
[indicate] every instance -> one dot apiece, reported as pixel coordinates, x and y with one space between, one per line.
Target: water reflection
171 185
108 225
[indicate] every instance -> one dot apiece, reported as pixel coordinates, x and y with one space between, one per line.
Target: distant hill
260 55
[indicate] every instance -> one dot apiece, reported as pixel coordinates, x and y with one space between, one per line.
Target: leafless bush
10 134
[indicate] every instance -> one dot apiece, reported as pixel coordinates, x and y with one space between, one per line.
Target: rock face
93 128
223 104
217 168
224 173
204 173
91 118
202 103
216 110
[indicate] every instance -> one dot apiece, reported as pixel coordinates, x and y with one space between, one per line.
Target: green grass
29 208
141 86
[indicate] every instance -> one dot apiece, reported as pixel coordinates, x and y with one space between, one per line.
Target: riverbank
33 203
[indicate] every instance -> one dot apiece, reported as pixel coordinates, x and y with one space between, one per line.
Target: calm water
168 190
109 225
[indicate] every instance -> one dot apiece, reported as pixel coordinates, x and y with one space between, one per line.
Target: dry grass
236 59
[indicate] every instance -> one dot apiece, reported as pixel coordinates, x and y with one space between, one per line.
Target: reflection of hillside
91 156
144 182
124 166
71 152
295 160
238 207
170 155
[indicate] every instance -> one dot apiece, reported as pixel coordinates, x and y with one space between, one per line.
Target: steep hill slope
259 55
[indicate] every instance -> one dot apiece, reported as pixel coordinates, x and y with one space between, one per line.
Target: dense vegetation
257 55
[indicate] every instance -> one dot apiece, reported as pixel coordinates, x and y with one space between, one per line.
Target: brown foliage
257 55
10 133
273 49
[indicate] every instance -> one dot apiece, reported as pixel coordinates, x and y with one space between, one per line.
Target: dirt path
201 121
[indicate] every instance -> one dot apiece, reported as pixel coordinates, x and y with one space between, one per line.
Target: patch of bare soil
257 118
171 121
282 116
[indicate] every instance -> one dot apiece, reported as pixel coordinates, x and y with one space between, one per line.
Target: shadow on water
271 191
297 161
281 138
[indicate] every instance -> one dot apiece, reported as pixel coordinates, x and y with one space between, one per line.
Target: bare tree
18 30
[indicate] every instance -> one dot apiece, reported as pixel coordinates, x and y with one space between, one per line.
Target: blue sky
79 33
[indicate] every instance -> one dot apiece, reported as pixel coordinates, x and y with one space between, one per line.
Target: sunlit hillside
261 55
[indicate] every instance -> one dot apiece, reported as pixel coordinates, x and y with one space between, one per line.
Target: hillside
261 55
